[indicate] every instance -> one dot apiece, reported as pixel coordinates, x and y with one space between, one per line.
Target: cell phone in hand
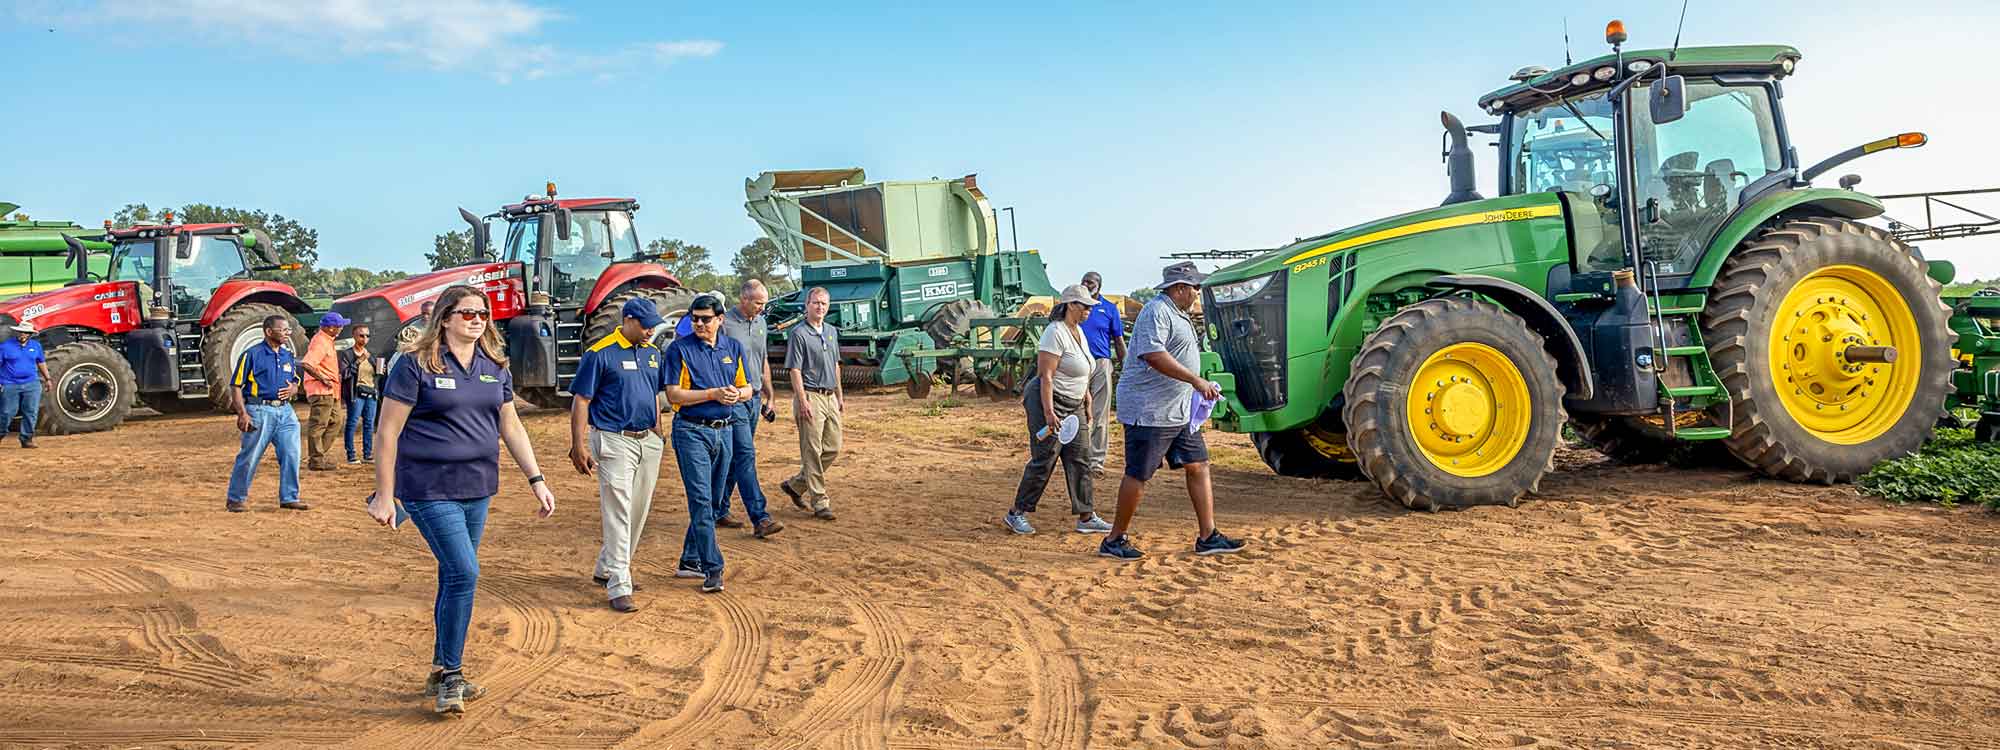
401 517
770 415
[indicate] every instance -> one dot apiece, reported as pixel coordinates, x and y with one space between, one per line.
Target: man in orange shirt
322 371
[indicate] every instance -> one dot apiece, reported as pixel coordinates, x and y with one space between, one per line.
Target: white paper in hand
1199 407
1067 431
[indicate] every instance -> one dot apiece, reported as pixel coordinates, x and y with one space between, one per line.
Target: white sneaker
1093 525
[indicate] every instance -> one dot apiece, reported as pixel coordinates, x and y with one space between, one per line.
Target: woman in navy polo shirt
446 408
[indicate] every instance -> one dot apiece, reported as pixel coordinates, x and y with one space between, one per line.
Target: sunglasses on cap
470 313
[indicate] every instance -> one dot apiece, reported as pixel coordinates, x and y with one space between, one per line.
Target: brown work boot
237 506
295 506
728 522
798 500
602 581
768 527
624 603
824 514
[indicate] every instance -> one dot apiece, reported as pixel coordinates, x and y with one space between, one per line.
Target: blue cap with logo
643 309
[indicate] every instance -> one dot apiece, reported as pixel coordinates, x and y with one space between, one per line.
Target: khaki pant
819 445
1100 415
323 430
627 469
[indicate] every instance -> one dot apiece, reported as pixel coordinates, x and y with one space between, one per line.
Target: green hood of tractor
1319 249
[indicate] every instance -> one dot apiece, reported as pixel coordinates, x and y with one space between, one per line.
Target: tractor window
583 257
134 261
211 261
1563 146
524 240
1691 172
624 239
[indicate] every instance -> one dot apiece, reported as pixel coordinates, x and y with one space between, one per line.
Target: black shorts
1147 447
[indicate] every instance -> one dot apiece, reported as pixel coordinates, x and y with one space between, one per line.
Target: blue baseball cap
333 320
643 309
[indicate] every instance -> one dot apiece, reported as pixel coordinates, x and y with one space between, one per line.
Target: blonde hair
429 346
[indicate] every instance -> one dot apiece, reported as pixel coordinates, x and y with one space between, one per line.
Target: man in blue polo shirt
1104 332
24 371
617 395
267 376
705 378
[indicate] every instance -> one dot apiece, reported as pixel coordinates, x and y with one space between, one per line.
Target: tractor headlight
1639 66
1579 79
1240 290
1605 73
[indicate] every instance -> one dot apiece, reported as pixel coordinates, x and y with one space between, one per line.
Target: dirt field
1624 608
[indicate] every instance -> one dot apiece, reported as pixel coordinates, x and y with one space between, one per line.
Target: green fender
1818 201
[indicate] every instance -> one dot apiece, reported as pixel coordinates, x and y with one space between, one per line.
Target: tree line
693 264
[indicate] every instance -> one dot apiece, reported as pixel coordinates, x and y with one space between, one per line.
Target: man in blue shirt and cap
705 378
617 395
266 379
24 372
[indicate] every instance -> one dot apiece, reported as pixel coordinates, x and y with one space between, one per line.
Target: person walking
616 398
24 373
745 323
1162 374
706 377
322 384
1105 331
1060 389
261 394
448 407
361 392
812 354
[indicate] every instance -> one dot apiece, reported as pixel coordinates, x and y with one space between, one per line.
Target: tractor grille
1250 338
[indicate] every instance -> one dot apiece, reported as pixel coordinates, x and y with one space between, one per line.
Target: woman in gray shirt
1059 389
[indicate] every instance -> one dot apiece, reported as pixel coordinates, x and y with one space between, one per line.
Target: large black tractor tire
224 341
1483 376
1631 440
672 304
953 320
1315 451
1795 298
168 402
93 389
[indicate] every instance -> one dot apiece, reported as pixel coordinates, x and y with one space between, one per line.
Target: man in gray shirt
812 354
1162 374
745 323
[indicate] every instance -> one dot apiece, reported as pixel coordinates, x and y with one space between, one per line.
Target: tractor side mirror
183 247
1669 100
1849 181
266 249
562 224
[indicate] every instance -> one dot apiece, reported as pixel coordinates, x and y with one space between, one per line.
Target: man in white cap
24 372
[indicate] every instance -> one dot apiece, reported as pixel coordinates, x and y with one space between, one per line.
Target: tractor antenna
1677 32
1566 58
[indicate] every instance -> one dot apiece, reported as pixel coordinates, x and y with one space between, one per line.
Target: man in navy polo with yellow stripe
617 395
705 378
267 376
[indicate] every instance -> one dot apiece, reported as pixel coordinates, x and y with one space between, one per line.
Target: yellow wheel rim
1837 400
1469 409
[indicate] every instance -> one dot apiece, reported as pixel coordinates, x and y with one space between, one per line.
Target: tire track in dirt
1055 671
204 675
729 676
165 622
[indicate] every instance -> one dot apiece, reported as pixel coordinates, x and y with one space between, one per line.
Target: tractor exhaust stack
1458 162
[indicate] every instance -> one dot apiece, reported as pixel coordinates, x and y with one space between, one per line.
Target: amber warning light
1614 32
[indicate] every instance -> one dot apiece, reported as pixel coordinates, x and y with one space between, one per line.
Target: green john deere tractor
1657 269
33 254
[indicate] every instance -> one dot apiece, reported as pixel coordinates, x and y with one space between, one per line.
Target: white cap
23 327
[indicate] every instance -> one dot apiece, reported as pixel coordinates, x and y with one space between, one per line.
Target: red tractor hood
407 296
108 307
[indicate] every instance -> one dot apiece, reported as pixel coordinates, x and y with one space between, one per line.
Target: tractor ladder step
1694 390
1702 433
1686 351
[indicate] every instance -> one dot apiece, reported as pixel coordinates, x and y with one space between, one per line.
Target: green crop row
1952 468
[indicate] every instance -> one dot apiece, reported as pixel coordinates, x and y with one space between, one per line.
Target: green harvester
33 255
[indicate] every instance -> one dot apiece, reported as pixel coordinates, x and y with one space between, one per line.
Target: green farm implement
33 256
1657 269
995 355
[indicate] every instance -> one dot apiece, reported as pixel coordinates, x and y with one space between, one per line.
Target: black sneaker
1216 544
684 570
712 584
1119 548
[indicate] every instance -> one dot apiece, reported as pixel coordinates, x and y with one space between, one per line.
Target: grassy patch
1952 468
937 408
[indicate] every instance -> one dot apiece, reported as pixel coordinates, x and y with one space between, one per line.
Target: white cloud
498 37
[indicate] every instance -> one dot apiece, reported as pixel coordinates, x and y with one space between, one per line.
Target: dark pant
743 462
361 414
1147 447
1042 455
452 528
703 456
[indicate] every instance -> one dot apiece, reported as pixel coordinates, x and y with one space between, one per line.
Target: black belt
263 402
820 391
713 424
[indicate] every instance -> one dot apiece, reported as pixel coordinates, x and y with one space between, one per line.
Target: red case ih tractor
165 325
566 268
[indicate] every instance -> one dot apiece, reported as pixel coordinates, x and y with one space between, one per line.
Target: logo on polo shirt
488 379
652 361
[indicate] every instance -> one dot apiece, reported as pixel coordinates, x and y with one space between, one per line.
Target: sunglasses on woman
470 314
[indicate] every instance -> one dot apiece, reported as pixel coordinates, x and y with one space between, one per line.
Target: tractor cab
567 244
180 267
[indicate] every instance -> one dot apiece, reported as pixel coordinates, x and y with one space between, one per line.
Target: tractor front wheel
1834 347
93 387
229 337
1453 402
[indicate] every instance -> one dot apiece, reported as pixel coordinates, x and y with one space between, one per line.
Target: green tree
765 261
1144 293
688 261
295 243
450 250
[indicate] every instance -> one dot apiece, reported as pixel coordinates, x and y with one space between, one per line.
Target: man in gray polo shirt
1162 374
812 354
745 323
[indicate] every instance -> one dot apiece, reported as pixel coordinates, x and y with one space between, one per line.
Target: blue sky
1118 132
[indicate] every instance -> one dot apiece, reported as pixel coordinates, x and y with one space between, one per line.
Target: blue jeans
24 399
361 413
272 427
743 462
452 528
702 453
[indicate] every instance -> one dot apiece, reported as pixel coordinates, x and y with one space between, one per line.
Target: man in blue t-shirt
705 378
266 379
24 372
616 400
1104 331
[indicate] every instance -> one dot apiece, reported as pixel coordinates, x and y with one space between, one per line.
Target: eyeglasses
702 320
470 314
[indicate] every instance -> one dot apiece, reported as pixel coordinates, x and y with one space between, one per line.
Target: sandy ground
1624 608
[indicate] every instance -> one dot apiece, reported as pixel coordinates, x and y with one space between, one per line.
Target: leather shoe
624 604
237 507
602 581
295 506
30 444
768 527
798 500
824 514
728 522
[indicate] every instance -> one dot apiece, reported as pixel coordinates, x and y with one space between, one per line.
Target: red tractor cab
164 324
556 283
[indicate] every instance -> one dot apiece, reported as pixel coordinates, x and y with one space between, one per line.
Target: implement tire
1780 318
1453 402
